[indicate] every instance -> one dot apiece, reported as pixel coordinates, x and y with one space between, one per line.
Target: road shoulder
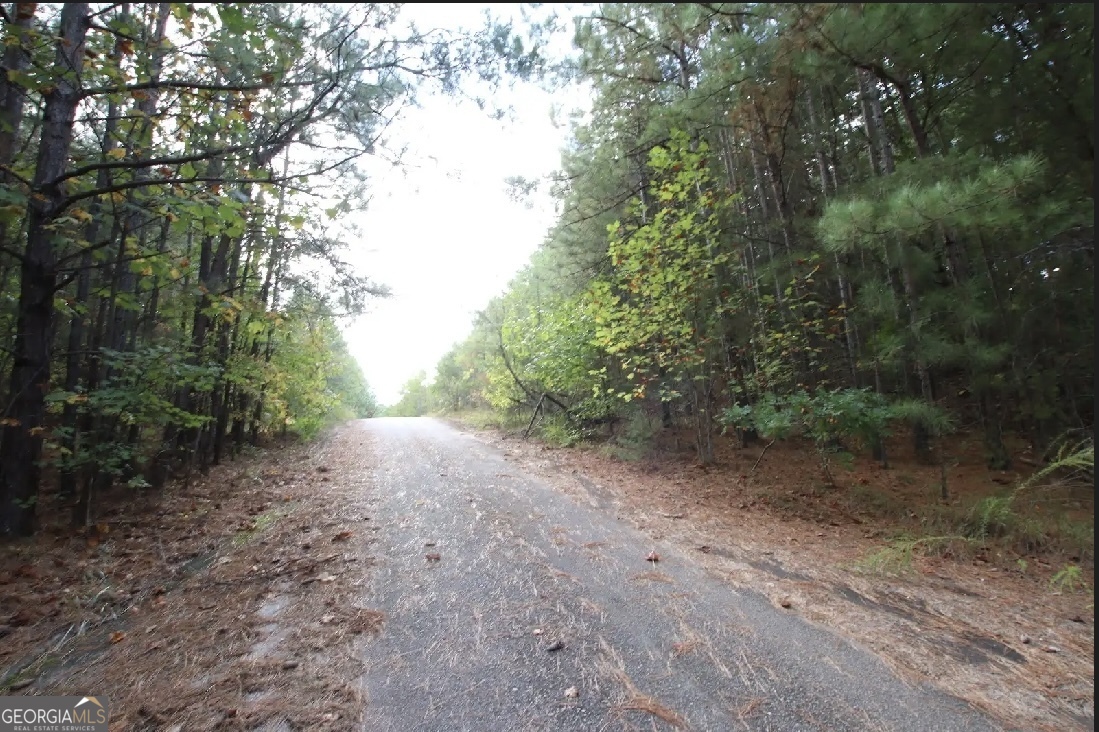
233 603
1007 645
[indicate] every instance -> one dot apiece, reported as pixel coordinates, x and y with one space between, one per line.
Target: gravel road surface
511 606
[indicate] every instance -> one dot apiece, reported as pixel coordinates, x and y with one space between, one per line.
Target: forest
834 222
173 179
795 389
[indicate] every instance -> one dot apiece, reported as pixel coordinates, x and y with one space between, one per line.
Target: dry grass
683 648
643 703
612 666
748 709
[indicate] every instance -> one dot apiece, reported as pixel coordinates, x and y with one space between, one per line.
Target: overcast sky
441 231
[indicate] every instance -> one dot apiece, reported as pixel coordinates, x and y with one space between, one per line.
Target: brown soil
232 603
981 621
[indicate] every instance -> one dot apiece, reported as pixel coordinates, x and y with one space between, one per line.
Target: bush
558 430
832 419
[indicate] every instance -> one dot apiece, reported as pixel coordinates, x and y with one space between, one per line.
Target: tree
172 181
807 200
415 398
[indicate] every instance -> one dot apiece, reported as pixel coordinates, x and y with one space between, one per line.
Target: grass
489 419
556 430
899 556
1027 519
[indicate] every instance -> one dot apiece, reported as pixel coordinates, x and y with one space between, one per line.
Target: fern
899 556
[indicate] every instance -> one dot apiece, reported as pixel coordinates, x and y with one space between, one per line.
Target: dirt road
511 606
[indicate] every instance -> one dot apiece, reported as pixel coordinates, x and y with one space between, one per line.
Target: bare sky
441 232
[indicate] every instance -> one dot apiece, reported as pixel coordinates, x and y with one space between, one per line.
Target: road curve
645 645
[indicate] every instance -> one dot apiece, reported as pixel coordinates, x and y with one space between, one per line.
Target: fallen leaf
555 646
342 536
118 636
785 602
432 557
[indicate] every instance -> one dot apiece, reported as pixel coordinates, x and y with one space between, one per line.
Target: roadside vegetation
852 228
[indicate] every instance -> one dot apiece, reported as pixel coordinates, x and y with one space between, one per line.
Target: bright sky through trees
441 231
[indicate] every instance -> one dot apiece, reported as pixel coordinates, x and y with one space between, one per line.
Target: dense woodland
835 221
172 182
828 220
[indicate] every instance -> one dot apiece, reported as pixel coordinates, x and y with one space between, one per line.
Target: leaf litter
952 620
201 607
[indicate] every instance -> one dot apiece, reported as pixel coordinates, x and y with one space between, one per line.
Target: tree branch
148 162
189 85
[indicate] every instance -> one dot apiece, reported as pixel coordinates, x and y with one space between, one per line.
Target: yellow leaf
81 215
117 153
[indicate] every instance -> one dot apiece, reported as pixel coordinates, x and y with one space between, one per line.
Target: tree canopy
814 218
173 179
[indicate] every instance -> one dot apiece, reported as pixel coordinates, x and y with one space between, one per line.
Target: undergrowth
1024 520
635 440
899 557
557 430
489 419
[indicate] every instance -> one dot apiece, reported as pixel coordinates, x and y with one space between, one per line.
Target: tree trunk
12 95
30 374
